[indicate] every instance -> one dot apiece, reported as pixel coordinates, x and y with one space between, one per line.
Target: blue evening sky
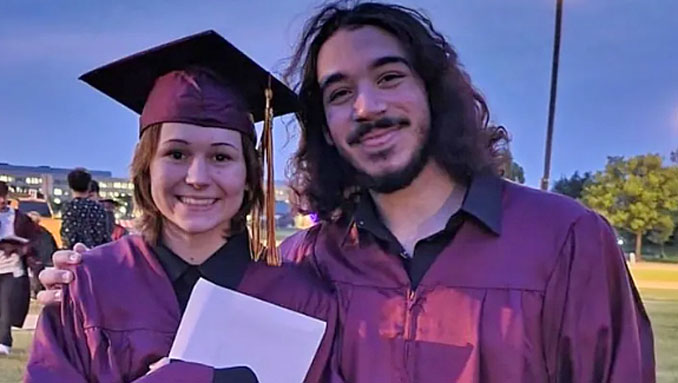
618 92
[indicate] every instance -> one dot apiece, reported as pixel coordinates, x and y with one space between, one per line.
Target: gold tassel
257 247
270 251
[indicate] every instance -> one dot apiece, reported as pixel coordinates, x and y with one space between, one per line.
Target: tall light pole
552 102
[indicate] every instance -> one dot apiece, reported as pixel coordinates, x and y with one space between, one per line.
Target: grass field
664 316
11 367
658 285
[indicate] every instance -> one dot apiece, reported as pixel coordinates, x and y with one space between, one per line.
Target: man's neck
421 209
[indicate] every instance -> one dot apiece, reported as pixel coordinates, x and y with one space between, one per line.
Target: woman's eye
176 155
221 157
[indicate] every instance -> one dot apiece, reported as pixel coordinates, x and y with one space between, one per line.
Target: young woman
196 177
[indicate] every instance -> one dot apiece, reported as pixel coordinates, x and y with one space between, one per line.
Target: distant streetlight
552 101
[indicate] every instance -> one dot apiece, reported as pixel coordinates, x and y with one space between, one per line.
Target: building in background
283 192
45 183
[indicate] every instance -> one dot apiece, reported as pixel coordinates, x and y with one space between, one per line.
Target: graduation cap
204 80
200 79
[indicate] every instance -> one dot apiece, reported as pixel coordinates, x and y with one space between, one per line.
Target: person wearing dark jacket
17 256
44 244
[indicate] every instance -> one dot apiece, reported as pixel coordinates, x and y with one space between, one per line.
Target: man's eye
390 78
338 95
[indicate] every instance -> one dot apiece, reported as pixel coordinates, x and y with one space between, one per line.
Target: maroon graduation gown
121 314
546 299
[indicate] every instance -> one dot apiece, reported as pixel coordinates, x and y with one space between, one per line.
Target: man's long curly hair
461 140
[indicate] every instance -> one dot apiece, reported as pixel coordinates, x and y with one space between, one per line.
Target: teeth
197 201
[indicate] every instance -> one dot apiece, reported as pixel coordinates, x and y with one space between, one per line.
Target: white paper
224 328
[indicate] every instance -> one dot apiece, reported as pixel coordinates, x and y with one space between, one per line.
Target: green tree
515 173
572 186
638 195
661 233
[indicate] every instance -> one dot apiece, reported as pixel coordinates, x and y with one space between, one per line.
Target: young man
444 272
84 219
16 256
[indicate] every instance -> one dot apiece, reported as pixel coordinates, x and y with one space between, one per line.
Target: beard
397 179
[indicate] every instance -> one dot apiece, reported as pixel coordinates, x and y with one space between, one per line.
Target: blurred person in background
117 231
84 219
17 256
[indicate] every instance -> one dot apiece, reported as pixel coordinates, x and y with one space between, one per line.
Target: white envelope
224 328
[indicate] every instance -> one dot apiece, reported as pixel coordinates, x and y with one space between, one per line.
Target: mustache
366 127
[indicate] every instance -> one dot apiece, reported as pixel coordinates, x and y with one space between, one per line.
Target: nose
368 105
197 175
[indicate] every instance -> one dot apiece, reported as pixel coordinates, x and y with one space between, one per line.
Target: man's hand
54 278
